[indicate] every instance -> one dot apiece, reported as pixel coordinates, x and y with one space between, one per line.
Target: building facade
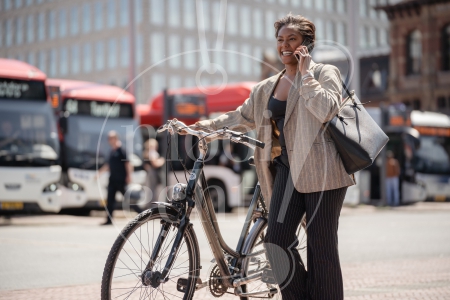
420 56
172 43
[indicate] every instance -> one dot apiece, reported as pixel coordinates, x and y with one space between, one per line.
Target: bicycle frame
195 197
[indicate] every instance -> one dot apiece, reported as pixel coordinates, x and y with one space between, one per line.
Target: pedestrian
152 164
299 169
120 170
392 179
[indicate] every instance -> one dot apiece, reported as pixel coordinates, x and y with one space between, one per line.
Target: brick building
419 74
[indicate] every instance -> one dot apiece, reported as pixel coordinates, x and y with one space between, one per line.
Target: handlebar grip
252 141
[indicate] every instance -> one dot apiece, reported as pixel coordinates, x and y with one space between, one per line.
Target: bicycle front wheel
131 252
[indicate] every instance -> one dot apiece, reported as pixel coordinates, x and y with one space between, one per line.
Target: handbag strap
317 71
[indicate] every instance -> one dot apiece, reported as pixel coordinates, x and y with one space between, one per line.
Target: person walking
392 179
120 171
152 164
299 170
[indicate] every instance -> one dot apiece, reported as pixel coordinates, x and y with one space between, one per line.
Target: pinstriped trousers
323 280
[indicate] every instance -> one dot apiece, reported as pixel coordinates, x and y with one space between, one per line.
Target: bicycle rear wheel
260 262
127 260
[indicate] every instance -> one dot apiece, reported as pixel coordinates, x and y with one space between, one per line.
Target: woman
152 163
299 168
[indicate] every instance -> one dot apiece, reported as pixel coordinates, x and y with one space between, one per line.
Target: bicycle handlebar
224 133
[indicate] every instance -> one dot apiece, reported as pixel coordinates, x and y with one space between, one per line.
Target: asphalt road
58 250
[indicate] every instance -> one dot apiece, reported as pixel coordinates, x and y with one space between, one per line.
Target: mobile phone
306 43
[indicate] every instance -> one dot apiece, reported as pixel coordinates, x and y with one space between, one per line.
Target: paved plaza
400 253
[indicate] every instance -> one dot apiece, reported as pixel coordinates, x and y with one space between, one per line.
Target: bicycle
171 267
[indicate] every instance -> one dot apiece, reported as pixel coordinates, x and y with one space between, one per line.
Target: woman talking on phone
299 170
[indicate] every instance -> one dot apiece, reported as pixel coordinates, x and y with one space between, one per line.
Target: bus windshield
433 156
82 138
28 135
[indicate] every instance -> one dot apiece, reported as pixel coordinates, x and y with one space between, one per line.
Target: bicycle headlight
179 192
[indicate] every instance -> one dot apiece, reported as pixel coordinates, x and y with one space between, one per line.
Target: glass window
17 3
87 58
157 47
446 48
53 56
283 2
295 3
414 50
138 13
86 17
189 58
362 38
217 12
30 29
52 24
8 4
157 12
42 61
140 49
9 32
111 13
30 58
330 5
256 64
124 12
28 2
219 57
270 20
373 12
258 28
63 61
98 20
341 33
320 29
19 31
174 15
62 23
74 21
246 59
340 4
2 33
232 59
99 55
112 53
245 20
174 49
330 31
75 59
206 20
158 83
124 52
363 8
307 3
232 22
41 26
189 17
319 5
372 37
383 37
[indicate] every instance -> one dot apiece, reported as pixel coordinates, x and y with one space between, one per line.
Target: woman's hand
304 59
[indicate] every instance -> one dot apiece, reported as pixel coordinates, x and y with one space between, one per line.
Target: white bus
29 146
432 160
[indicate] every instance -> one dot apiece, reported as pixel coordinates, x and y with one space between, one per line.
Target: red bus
88 112
235 180
29 146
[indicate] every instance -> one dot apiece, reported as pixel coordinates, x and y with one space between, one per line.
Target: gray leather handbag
357 137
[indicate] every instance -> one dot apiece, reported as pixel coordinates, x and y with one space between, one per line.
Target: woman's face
288 40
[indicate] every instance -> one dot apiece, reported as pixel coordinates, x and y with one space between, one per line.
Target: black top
117 169
278 109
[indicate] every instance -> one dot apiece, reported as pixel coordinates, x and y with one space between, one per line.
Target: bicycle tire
192 252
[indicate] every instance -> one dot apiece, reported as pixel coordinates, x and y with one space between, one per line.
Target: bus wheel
218 193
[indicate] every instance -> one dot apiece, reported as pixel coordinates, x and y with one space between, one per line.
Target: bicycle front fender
167 211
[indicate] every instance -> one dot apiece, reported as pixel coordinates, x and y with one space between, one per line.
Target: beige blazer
315 164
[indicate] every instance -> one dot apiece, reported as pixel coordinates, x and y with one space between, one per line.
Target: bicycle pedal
267 277
182 284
